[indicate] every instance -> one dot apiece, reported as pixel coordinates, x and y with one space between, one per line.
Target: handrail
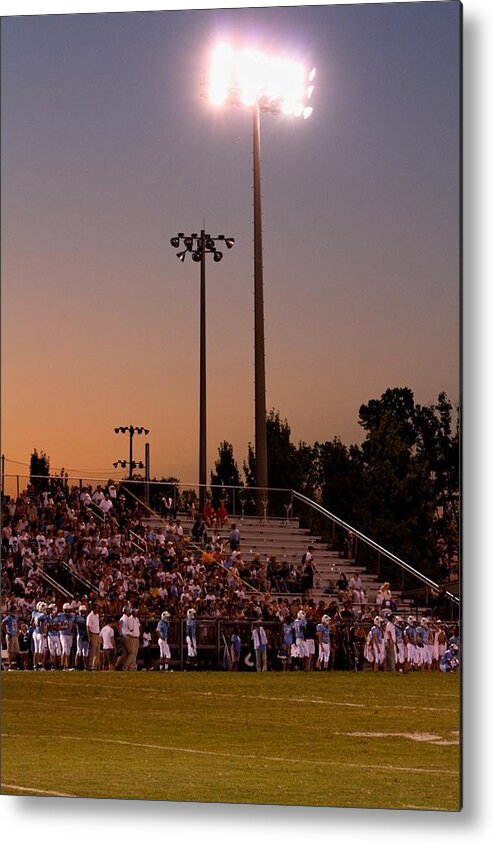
77 576
54 584
137 538
196 547
391 556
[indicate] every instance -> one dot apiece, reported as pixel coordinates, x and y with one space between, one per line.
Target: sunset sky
108 150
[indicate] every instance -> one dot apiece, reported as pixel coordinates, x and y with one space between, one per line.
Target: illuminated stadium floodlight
248 76
131 430
198 246
265 83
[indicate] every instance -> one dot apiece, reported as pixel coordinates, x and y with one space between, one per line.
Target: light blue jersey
39 620
66 621
52 626
288 632
449 661
410 633
300 624
11 625
376 633
162 630
190 630
322 628
421 635
236 643
80 622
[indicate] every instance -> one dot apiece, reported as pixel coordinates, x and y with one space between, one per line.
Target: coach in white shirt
390 644
93 631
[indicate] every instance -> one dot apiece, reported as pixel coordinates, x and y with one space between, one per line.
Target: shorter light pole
132 465
131 430
199 245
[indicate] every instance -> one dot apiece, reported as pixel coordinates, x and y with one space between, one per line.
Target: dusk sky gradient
108 150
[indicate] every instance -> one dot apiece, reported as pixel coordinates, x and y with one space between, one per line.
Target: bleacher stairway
288 542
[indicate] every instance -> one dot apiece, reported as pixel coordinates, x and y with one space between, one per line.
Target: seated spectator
208 513
222 514
342 582
383 594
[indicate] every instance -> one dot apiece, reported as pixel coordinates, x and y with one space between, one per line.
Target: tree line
400 486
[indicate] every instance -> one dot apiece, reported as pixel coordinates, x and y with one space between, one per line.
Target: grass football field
337 739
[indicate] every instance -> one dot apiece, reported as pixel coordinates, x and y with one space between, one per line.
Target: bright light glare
248 75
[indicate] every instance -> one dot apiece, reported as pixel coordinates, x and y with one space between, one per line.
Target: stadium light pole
199 245
273 84
131 430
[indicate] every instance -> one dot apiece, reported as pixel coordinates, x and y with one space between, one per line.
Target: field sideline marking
243 756
36 790
315 701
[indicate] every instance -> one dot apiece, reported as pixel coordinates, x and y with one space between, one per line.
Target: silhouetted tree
226 474
39 469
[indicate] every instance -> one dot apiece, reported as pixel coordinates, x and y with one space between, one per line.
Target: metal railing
357 536
278 505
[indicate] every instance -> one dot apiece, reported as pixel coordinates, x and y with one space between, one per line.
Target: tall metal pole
131 435
147 470
261 448
202 378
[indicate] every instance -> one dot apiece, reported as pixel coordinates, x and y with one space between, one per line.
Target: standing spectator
390 644
308 569
24 647
93 629
107 636
146 648
260 646
198 531
135 634
124 659
167 506
234 537
10 627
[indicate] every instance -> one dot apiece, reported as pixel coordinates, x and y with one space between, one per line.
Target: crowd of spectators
95 542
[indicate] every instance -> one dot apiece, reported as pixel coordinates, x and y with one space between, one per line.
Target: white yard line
243 756
37 790
313 701
421 737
